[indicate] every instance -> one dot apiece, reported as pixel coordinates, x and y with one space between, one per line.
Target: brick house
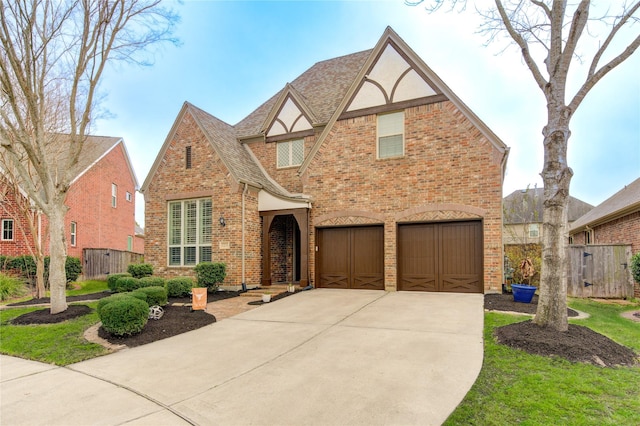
615 221
101 201
366 171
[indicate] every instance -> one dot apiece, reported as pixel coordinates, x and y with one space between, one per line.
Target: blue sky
235 55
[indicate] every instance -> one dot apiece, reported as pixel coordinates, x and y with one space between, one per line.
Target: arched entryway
285 242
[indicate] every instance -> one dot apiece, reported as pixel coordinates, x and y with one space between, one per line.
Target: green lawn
515 387
59 344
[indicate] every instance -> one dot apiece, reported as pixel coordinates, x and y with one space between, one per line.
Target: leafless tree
15 203
552 36
53 55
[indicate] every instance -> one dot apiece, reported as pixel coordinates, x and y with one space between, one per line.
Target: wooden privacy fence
98 263
599 271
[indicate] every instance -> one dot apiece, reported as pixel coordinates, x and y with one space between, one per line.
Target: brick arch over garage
349 217
440 212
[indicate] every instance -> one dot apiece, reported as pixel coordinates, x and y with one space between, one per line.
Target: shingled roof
622 203
322 87
526 206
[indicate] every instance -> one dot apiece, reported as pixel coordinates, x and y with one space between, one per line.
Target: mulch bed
46 300
578 344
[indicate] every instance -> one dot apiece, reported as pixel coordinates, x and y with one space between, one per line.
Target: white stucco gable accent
267 202
290 119
391 79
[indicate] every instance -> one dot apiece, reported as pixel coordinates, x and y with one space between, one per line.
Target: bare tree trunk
58 249
556 174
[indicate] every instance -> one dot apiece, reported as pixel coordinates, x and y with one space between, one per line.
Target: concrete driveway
320 357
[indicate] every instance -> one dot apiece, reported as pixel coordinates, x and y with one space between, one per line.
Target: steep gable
292 119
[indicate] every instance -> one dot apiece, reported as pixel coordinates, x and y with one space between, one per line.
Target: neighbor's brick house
101 201
366 171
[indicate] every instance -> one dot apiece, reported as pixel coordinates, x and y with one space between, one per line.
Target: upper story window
534 230
128 196
74 234
187 157
290 153
7 229
391 135
114 195
190 226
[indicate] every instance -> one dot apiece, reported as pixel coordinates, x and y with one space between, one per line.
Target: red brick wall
22 242
449 172
99 225
206 178
89 200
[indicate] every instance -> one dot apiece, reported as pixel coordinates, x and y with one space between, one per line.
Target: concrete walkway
320 357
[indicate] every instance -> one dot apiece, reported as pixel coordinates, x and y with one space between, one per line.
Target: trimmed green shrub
210 274
125 284
11 287
73 268
106 300
152 282
124 317
635 267
139 270
138 295
113 279
155 295
25 263
179 286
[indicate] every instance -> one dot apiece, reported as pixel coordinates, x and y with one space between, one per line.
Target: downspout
244 282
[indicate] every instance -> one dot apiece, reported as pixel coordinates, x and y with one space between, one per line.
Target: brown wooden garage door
351 257
440 257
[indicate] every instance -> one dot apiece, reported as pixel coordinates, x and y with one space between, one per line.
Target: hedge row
26 265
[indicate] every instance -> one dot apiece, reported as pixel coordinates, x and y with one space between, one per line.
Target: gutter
244 193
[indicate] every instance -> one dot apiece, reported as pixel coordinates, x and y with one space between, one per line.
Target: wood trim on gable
394 106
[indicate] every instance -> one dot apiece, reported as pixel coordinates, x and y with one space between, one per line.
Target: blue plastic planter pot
523 293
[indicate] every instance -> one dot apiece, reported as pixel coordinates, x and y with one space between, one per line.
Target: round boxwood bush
106 300
125 284
152 282
210 274
139 270
139 295
113 279
155 295
635 267
124 317
179 286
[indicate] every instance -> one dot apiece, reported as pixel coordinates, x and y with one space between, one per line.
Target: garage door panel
418 282
440 257
351 258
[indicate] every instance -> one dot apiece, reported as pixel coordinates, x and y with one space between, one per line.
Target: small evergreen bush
155 295
138 295
139 270
106 300
635 267
113 279
11 287
73 268
124 317
210 274
179 286
152 282
125 284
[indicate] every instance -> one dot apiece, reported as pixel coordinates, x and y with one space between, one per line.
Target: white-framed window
128 196
129 243
74 234
391 135
534 230
190 223
114 195
7 230
290 153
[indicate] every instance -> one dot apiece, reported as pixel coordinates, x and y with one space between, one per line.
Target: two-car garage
438 257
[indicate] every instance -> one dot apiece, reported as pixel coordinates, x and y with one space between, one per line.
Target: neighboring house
101 201
138 240
365 172
523 215
615 221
